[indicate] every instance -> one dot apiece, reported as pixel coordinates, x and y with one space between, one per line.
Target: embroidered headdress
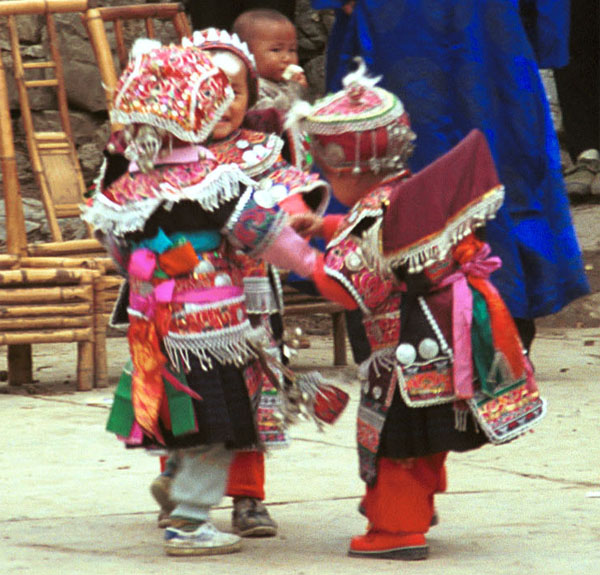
173 88
213 39
360 128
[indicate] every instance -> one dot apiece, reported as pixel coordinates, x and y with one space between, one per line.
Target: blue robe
463 64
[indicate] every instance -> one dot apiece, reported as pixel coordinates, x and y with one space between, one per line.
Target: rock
313 30
90 158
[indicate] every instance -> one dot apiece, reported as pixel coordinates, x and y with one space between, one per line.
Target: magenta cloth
211 295
422 205
481 266
136 435
289 251
163 293
142 264
180 155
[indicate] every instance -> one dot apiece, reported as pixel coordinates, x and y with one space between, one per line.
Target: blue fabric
463 64
202 240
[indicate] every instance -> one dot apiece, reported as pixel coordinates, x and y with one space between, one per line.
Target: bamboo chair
47 306
124 24
55 164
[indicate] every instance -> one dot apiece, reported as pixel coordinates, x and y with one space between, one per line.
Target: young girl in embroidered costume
447 370
259 157
173 218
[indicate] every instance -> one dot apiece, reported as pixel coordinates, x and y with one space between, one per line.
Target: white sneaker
205 539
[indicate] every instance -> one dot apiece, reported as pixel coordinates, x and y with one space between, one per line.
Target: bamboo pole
85 366
29 324
67 309
150 33
28 124
122 52
8 261
10 277
16 238
67 247
182 25
164 10
88 262
22 7
100 325
44 295
48 336
97 34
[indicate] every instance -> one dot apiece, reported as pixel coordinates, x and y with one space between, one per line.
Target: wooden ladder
53 155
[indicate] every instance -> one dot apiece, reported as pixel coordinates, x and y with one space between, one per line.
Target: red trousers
247 475
401 501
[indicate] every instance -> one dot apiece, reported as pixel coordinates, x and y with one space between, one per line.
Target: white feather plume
298 112
143 46
359 76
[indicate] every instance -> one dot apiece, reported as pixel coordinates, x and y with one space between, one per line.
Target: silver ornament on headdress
200 38
144 145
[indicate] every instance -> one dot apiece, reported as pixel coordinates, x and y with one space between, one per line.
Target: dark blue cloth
464 64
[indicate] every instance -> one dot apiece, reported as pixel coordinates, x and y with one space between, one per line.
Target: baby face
238 78
274 46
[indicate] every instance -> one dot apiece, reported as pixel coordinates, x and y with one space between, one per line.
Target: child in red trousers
447 370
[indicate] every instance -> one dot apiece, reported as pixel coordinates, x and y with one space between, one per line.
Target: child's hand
307 225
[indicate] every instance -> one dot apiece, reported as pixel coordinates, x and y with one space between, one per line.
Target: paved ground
75 502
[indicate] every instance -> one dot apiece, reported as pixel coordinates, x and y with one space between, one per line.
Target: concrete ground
75 502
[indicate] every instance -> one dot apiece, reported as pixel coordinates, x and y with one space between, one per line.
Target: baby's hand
300 78
307 225
295 73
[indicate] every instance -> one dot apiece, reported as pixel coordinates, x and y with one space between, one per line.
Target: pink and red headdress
214 39
361 128
173 88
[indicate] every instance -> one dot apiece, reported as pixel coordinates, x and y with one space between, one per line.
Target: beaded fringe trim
360 216
437 246
231 345
259 296
380 360
349 287
461 417
220 186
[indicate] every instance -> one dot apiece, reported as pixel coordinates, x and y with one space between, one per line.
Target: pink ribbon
182 155
481 266
289 251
